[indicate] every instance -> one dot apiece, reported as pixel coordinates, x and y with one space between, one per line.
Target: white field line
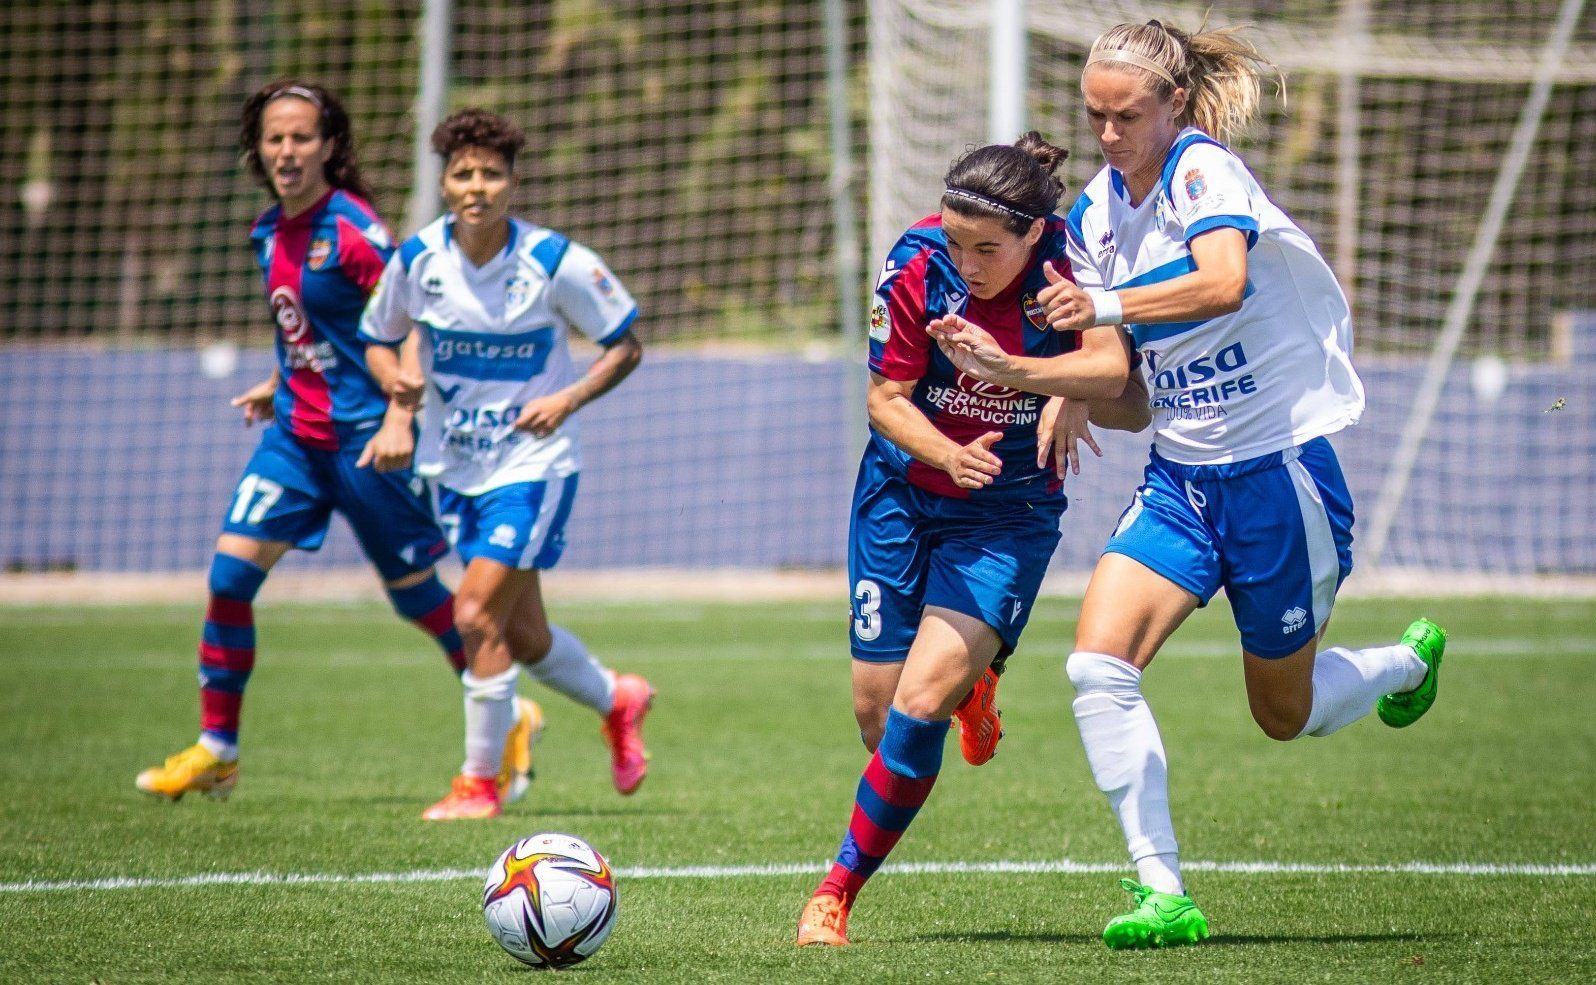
1062 866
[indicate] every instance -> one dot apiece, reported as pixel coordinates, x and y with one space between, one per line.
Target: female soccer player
1246 339
495 299
337 442
954 517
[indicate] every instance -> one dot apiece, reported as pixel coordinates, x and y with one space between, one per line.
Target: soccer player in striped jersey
494 299
335 441
1246 341
955 513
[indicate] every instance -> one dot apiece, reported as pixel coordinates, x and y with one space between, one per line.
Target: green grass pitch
352 726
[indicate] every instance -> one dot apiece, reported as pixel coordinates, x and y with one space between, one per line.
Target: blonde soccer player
1246 345
495 299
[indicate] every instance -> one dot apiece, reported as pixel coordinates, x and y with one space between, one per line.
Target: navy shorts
1274 531
908 548
288 492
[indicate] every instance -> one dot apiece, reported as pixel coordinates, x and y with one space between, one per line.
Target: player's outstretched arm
544 415
894 415
1096 370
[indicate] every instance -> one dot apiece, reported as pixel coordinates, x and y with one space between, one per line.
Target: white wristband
1108 307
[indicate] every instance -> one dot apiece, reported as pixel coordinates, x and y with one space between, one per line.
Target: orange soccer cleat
470 798
623 731
980 724
824 921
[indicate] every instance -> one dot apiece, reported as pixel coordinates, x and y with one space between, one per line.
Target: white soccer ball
550 900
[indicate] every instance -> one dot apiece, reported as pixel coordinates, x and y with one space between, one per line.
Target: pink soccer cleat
623 731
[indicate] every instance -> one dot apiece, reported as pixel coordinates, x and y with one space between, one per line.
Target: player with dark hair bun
957 506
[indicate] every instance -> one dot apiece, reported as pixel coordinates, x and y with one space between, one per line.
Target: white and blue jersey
1270 376
1243 491
495 338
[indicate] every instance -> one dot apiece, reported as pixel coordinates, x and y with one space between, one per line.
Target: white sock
489 716
1160 872
227 752
1126 755
1347 683
569 669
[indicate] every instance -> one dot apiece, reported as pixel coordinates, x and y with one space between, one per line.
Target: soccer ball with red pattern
550 900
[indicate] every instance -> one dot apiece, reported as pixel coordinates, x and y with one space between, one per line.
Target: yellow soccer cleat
470 798
515 774
195 768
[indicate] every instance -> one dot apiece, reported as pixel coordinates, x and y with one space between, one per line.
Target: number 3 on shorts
269 492
867 625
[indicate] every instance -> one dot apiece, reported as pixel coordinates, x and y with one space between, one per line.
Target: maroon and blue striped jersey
919 284
319 268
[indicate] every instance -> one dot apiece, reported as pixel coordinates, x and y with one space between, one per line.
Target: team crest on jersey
1196 186
320 250
1034 312
602 282
880 322
516 290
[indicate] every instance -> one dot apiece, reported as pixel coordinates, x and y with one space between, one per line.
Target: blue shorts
1274 531
908 548
521 525
288 493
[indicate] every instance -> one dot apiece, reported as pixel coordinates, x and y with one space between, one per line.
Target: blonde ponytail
1221 71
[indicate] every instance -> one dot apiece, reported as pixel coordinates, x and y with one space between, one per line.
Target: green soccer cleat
1401 710
1159 920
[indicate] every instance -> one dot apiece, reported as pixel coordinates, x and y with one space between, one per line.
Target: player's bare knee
872 721
530 643
1280 721
472 618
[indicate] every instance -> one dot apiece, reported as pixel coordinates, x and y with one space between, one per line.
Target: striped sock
430 606
227 651
896 782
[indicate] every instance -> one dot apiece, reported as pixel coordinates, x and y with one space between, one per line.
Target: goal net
1396 121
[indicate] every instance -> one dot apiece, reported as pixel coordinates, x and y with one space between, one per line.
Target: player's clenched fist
1068 307
974 465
